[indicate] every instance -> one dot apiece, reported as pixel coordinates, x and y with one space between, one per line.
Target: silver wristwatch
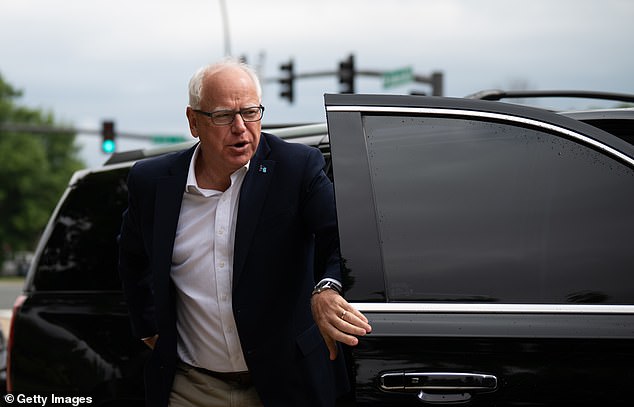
327 285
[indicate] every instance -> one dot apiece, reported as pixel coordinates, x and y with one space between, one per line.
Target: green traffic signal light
108 146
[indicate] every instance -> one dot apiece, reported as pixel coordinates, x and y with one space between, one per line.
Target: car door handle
438 387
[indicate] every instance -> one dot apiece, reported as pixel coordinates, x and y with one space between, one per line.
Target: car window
81 251
472 210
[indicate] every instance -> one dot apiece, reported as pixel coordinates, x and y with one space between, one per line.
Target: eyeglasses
226 117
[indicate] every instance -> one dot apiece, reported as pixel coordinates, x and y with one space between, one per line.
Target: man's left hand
337 320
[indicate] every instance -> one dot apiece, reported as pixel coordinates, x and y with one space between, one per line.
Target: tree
34 171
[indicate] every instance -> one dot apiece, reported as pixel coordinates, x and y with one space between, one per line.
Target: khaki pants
192 388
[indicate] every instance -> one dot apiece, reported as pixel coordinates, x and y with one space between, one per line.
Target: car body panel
89 349
71 334
484 240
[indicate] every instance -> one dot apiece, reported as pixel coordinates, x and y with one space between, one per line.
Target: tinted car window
81 252
470 210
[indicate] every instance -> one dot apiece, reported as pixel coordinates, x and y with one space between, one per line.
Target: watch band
327 285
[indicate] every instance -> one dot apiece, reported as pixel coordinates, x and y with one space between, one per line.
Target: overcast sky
130 60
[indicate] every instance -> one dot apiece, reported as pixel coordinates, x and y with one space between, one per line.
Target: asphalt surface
10 288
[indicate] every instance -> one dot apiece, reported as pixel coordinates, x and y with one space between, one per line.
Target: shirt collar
192 185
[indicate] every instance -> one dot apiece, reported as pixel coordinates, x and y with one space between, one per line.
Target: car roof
618 121
498 94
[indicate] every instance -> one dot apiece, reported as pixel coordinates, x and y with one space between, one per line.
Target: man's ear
192 118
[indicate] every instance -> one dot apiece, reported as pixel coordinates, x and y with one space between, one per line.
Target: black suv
70 332
489 244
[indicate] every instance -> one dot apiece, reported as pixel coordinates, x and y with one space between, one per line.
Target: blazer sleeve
321 217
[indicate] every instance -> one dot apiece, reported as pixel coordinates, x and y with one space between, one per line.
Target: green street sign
168 139
398 77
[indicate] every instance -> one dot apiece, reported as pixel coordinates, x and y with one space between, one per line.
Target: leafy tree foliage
34 171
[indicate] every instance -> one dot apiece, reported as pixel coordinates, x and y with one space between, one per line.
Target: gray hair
196 82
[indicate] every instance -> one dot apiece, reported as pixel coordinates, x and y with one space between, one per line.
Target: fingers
346 332
338 321
331 337
329 308
332 348
351 325
355 318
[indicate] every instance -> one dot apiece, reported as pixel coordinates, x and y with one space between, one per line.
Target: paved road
9 291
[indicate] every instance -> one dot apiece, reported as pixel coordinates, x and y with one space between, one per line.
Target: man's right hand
151 341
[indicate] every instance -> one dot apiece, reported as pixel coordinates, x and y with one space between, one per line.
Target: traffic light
287 81
346 75
108 143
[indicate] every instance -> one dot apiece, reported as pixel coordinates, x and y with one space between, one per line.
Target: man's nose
238 122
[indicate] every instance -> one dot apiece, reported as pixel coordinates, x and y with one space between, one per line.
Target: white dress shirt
202 270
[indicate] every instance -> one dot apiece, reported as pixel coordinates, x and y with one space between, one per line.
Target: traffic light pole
40 129
346 74
435 79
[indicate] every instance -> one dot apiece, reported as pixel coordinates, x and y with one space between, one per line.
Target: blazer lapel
167 204
252 196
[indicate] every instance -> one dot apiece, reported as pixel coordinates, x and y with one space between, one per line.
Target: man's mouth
240 147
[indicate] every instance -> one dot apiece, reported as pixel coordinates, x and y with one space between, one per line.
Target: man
220 249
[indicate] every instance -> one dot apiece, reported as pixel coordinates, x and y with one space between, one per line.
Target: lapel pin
262 169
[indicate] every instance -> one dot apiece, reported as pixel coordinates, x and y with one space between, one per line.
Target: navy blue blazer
286 239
